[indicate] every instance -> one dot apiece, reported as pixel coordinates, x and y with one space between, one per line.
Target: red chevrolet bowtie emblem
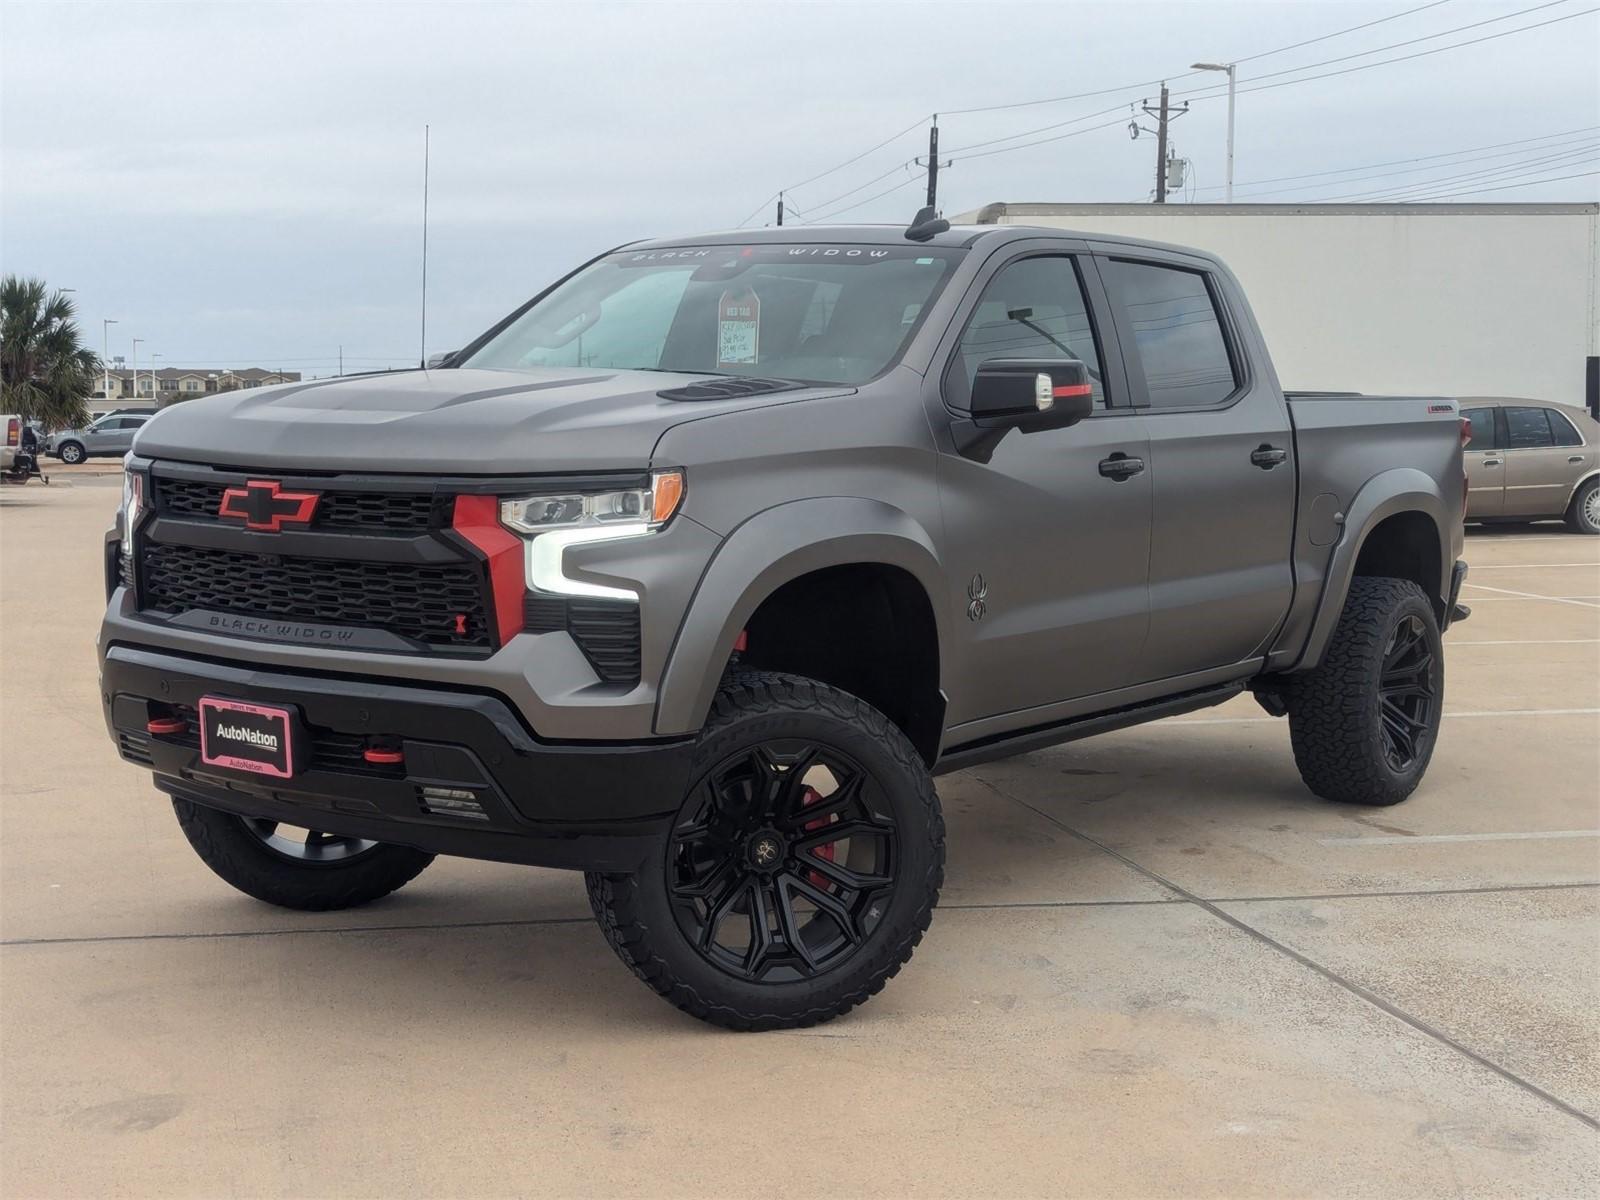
263 504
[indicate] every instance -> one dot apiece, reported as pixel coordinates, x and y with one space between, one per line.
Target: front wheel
71 453
296 868
1363 723
801 870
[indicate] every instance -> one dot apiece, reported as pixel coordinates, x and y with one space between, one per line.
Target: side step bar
1006 745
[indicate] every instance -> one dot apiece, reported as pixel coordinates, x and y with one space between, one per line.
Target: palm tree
46 374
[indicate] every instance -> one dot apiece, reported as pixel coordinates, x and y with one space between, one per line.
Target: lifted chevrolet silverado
693 571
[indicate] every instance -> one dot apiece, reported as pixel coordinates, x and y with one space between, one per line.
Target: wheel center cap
765 850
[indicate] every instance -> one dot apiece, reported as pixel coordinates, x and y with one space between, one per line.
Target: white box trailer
1433 299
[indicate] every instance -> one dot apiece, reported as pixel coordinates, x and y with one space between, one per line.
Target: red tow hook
165 726
808 797
383 756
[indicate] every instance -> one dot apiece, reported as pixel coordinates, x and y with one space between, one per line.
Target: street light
105 356
1228 67
155 387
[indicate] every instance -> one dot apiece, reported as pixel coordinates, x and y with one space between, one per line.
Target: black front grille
439 606
368 512
607 631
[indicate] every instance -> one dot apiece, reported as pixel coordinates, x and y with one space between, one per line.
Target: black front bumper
589 806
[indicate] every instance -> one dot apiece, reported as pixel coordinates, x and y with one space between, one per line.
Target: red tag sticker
738 328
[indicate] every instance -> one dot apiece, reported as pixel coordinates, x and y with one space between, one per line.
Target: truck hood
458 422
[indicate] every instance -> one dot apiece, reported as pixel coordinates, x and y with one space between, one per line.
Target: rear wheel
292 867
71 453
1583 514
801 870
1364 723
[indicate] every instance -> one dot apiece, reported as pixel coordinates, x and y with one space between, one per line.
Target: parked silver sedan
1532 460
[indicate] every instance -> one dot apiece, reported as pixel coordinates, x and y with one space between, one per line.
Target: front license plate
259 738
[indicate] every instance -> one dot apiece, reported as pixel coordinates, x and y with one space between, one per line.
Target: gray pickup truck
694 571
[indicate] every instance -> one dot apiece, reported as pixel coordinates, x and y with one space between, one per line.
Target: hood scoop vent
728 388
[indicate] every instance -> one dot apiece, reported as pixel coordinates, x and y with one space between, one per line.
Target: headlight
549 524
132 509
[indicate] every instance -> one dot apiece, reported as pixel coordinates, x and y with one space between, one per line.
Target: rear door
1485 463
1222 459
1540 472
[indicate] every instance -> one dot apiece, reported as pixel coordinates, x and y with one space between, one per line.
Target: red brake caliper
808 797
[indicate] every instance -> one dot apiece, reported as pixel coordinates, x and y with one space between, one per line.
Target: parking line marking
1534 642
1580 601
1530 566
1503 712
1458 837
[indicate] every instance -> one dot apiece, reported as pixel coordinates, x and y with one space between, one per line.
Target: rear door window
1562 429
1527 429
1482 428
1177 332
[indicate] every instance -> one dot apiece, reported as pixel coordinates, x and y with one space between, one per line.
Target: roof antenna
925 224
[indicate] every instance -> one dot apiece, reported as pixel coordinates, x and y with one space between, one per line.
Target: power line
1042 141
1339 33
863 187
1148 83
1427 37
817 220
1437 166
1213 187
1502 187
1544 163
1407 57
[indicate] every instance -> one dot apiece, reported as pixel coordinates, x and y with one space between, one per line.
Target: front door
1485 463
1222 456
1048 550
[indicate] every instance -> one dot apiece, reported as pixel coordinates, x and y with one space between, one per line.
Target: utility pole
780 208
341 361
933 164
1163 115
136 342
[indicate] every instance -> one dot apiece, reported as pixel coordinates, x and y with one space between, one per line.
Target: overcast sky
239 183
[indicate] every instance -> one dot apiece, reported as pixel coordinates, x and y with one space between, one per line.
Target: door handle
1266 457
1574 458
1119 467
1491 462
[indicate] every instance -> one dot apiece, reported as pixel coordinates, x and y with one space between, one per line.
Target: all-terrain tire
226 844
1336 712
71 453
1583 514
751 709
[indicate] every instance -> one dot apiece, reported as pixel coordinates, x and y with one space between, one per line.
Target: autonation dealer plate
259 738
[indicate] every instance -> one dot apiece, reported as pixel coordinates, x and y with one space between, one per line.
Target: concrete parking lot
1160 968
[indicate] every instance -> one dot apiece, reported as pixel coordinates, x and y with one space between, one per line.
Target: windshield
816 313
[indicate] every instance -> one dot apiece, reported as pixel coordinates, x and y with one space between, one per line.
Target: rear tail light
13 431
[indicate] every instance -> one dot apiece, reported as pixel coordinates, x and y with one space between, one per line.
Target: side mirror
1025 394
435 361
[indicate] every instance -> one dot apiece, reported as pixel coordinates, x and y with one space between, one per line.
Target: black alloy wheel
311 848
783 862
800 870
1406 693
